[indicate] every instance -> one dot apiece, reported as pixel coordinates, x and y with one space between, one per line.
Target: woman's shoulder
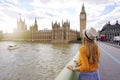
82 47
82 50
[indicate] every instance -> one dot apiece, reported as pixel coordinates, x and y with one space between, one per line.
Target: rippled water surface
34 61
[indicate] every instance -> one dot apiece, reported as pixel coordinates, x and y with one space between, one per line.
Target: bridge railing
67 74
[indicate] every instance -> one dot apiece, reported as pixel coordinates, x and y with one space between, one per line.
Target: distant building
21 26
42 36
63 34
58 34
110 31
21 33
83 18
34 28
1 35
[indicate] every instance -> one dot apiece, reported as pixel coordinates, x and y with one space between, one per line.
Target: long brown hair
91 50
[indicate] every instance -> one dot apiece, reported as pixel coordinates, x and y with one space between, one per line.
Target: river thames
34 61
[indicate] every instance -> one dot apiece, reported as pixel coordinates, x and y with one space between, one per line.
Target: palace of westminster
58 34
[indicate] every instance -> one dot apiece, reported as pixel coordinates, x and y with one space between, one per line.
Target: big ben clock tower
82 20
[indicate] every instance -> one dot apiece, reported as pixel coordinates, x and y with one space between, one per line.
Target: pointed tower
82 20
35 26
35 21
21 26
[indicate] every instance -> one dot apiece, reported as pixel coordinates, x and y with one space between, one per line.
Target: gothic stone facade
21 26
110 31
63 34
58 34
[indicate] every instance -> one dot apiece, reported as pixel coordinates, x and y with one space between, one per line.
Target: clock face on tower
82 16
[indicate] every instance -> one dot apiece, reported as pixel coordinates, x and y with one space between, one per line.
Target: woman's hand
71 67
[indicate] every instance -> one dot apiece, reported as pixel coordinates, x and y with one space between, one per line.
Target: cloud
46 11
45 1
9 13
111 16
13 2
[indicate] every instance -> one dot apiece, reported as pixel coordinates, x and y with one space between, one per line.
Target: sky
99 12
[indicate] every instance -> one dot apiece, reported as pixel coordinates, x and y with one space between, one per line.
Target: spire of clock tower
83 8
